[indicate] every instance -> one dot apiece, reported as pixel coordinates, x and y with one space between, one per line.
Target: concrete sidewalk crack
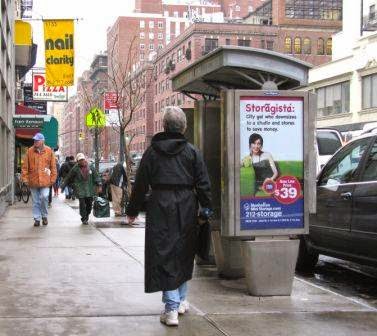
120 247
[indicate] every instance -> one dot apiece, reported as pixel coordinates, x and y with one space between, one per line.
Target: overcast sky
90 32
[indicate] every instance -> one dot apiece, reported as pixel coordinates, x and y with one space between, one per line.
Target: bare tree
129 79
89 102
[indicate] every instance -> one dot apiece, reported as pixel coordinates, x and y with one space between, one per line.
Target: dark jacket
176 172
81 187
117 173
65 168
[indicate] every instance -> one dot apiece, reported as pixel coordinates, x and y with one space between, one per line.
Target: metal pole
96 148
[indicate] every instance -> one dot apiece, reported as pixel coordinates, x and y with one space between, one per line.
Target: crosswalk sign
95 118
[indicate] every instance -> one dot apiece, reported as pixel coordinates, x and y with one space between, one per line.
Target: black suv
345 225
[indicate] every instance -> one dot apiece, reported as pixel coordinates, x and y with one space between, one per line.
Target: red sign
110 101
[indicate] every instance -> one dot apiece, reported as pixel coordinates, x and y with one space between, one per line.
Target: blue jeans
173 298
40 201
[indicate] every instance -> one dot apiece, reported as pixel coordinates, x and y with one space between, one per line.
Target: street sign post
95 119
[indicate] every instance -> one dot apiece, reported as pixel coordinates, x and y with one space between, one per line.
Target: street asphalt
73 280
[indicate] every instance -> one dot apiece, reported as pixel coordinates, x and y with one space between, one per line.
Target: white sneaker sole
170 323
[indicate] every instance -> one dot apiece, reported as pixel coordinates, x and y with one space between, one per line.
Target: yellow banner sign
59 52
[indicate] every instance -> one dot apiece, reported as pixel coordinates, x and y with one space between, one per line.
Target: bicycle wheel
25 192
19 195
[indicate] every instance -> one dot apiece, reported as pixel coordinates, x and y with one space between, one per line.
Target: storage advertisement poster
271 163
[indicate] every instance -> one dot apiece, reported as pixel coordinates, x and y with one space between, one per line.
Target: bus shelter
256 131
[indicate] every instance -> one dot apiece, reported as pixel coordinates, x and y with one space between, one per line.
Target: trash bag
101 207
203 240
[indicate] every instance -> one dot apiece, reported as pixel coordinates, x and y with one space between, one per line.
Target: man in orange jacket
39 173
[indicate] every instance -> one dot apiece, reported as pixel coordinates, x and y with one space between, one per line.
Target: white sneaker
170 318
184 307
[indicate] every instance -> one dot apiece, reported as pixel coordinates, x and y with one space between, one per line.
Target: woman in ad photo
262 163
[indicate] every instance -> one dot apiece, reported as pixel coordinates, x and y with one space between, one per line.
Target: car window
342 167
328 142
370 172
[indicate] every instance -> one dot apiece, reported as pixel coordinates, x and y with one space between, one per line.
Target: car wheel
306 259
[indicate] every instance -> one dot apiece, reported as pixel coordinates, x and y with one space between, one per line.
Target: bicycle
22 191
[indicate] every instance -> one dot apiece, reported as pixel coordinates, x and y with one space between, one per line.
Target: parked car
328 142
345 224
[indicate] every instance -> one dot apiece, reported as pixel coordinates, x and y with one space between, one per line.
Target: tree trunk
121 144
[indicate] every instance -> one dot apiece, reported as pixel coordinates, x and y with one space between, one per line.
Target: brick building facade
290 27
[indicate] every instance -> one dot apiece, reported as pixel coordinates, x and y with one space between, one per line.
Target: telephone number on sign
263 214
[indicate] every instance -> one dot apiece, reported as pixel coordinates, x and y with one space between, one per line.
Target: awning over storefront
232 67
25 49
27 122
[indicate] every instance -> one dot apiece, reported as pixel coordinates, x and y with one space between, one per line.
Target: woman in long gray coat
177 175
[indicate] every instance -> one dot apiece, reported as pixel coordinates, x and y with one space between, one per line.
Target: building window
333 99
297 45
288 45
314 9
270 45
160 24
329 46
151 36
151 47
243 43
142 46
369 91
142 24
227 41
179 55
141 56
160 36
237 8
209 45
142 35
175 14
151 24
320 46
160 46
307 46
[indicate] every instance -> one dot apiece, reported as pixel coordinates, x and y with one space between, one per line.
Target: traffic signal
81 136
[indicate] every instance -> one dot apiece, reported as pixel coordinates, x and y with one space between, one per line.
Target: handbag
203 240
101 207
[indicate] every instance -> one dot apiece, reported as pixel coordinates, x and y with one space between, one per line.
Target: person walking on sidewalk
39 173
63 172
83 177
118 186
177 175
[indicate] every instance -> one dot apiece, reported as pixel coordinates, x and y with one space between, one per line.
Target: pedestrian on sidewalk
57 182
39 173
63 172
177 175
84 177
118 187
55 185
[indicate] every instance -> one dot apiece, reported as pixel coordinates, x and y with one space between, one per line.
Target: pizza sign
41 91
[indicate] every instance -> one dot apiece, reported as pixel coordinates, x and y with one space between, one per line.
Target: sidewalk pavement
73 280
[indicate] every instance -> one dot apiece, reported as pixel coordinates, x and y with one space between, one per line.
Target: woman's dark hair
254 137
